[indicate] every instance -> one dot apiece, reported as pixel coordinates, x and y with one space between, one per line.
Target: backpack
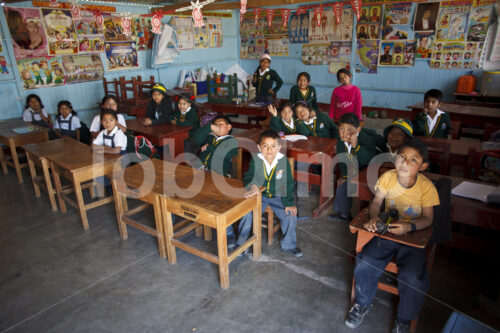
85 136
140 148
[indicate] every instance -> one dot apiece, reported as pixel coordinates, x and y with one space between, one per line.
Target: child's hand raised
399 228
272 110
371 225
353 140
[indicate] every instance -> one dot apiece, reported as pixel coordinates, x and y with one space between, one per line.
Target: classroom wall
86 96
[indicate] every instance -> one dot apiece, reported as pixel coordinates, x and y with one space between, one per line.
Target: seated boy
355 144
414 196
317 124
432 121
215 139
271 170
396 134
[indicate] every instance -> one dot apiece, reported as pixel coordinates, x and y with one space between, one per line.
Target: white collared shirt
187 110
264 72
310 122
269 167
96 122
75 123
31 115
288 124
393 155
119 138
432 122
348 146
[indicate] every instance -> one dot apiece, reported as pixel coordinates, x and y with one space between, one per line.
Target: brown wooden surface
259 112
53 147
459 149
468 115
162 134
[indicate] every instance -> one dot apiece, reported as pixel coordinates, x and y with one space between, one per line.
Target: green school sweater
265 82
219 150
189 119
363 153
309 98
441 130
322 127
279 125
279 183
377 139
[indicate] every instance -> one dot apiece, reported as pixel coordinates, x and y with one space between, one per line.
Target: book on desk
481 192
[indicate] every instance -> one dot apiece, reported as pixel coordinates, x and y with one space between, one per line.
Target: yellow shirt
408 201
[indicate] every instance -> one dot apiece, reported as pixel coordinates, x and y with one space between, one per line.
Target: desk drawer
190 212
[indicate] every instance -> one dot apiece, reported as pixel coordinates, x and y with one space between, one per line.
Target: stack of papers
23 130
294 137
481 192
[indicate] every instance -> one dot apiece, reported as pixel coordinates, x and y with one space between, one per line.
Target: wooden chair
489 129
456 127
473 164
439 153
114 87
136 86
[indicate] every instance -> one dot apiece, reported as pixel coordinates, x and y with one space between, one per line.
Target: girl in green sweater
283 120
263 80
302 91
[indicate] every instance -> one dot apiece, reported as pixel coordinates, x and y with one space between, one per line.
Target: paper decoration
60 31
356 6
98 18
301 11
243 8
257 14
198 18
121 55
397 53
28 38
337 11
82 68
270 14
156 24
53 3
318 14
285 14
41 72
75 12
126 25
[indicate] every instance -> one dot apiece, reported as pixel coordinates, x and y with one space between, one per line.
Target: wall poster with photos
82 68
424 44
455 55
368 26
367 56
329 30
397 53
315 54
60 31
41 72
452 20
298 28
478 23
396 21
90 34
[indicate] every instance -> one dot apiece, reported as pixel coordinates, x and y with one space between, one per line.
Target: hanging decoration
196 14
318 13
156 24
126 25
356 6
99 19
285 14
257 14
337 11
243 8
75 12
198 17
53 3
270 14
301 11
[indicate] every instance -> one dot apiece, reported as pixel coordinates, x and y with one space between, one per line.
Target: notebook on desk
481 192
23 130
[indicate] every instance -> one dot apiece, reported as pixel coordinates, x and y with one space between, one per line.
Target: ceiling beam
236 5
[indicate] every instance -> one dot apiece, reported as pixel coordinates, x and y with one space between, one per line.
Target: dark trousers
342 203
413 279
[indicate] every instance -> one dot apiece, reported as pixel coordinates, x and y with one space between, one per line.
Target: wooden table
37 154
163 134
255 111
459 149
468 115
13 140
80 165
315 151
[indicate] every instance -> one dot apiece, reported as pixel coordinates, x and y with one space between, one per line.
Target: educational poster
90 34
26 29
60 31
215 29
334 66
252 47
278 46
397 13
82 68
339 56
146 29
426 16
368 31
397 53
478 23
113 30
315 54
247 26
4 66
121 55
370 15
367 56
298 28
201 36
452 21
424 44
329 30
395 32
454 55
184 28
41 72
277 27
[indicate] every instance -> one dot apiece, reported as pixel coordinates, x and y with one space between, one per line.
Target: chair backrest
489 129
473 164
456 127
441 222
439 152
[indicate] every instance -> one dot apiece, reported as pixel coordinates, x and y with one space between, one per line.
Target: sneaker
297 253
338 218
356 315
400 327
245 253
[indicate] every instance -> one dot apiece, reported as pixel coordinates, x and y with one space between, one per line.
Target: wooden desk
212 208
160 135
314 150
37 154
459 149
81 165
13 140
469 115
255 111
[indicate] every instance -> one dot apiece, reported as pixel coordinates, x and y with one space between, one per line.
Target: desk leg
326 186
208 232
168 230
80 202
3 161
159 226
57 183
222 252
179 147
15 160
48 184
32 168
257 229
119 198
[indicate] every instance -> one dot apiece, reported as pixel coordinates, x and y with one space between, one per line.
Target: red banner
257 14
337 11
75 12
318 12
285 14
270 14
198 18
356 6
301 11
243 7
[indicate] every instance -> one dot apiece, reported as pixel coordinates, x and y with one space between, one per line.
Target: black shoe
339 218
399 327
356 315
294 252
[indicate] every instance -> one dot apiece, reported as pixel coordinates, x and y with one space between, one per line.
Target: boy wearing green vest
432 121
320 125
270 172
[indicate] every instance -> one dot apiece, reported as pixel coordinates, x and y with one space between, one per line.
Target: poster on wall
26 29
397 53
184 28
278 46
4 66
209 35
215 26
113 30
201 36
396 21
478 24
60 31
424 44
368 31
90 34
315 54
452 21
370 15
454 55
299 28
41 72
277 27
253 47
339 56
82 68
425 16
329 30
121 55
367 56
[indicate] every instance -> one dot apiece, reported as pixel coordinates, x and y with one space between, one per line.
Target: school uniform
321 126
96 126
279 186
186 118
114 139
219 153
309 97
31 115
67 126
438 127
294 127
264 82
160 113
